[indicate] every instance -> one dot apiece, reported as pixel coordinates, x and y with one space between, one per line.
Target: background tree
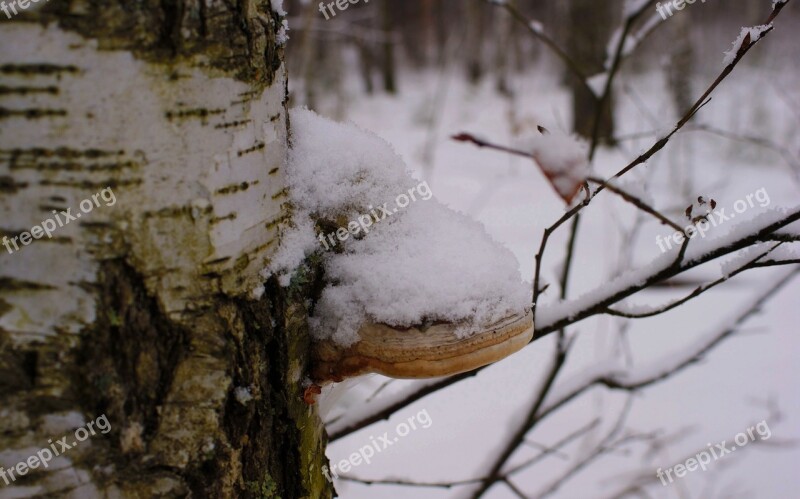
591 26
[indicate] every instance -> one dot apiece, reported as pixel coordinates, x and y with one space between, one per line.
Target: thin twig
604 446
519 435
697 291
551 450
630 198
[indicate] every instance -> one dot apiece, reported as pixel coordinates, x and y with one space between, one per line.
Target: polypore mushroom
419 353
393 259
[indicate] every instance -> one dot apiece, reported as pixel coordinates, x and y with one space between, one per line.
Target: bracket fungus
412 288
419 352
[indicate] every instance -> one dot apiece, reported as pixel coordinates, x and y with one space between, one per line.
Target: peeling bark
143 310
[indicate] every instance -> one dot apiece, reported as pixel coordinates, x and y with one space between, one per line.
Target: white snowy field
749 378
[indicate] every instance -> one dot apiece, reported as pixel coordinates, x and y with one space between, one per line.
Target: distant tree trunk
429 36
504 51
591 25
412 28
679 78
366 63
387 64
474 45
440 15
310 59
143 309
681 65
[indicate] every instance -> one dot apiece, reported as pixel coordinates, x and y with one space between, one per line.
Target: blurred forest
380 40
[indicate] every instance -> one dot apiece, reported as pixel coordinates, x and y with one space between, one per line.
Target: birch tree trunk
143 309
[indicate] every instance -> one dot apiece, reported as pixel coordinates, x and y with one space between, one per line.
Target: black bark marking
86 184
229 216
255 148
74 166
232 124
18 366
31 114
281 193
234 188
60 152
37 69
9 284
4 90
200 113
9 186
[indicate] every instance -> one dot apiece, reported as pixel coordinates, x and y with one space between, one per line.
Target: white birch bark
144 309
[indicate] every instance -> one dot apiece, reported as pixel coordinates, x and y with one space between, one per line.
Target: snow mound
419 262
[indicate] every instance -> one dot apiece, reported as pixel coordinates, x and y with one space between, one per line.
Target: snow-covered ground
708 403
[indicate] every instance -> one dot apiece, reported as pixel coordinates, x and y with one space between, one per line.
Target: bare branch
466 137
776 263
697 292
630 198
387 412
783 237
608 294
552 450
514 489
606 375
788 156
604 446
408 483
458 483
519 435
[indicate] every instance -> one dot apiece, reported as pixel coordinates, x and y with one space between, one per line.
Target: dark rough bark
126 367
